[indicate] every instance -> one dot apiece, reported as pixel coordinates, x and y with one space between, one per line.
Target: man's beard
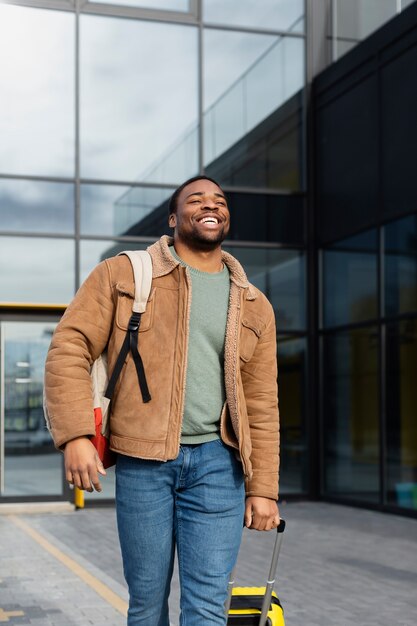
201 242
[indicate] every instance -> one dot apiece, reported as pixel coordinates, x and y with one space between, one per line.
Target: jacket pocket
249 337
124 311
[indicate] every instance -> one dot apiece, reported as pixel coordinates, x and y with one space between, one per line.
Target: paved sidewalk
338 566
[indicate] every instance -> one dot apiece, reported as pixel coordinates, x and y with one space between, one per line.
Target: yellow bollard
78 498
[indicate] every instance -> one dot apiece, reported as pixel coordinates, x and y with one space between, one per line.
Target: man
210 432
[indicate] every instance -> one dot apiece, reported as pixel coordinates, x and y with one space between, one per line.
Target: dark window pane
401 423
398 135
401 266
350 280
251 140
351 414
37 270
32 465
292 373
274 14
347 159
280 274
37 81
138 100
30 206
264 217
114 211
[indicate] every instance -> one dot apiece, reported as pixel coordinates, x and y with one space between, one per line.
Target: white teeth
209 220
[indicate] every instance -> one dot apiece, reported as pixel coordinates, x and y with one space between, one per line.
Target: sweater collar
163 263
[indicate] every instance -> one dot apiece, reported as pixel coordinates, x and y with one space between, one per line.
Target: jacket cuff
262 486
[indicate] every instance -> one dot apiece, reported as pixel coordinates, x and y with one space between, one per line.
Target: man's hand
82 464
261 513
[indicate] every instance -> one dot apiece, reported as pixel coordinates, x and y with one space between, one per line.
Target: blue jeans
195 502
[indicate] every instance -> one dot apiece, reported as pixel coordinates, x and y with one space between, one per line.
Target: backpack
102 386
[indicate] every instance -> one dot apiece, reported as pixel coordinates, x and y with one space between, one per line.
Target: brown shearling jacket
98 317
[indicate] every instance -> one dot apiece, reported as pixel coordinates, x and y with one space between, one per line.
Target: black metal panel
399 132
365 124
346 152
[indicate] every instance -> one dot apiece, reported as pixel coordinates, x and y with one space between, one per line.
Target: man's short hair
173 202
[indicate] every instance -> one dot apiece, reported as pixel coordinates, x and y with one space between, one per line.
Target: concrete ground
338 566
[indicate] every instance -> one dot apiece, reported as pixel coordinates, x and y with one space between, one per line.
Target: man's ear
172 220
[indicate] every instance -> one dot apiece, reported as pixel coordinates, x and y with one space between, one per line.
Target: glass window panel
32 465
280 275
31 206
239 124
343 47
266 217
93 252
351 414
36 270
350 280
401 266
401 423
356 19
116 210
37 116
138 100
292 383
287 15
167 5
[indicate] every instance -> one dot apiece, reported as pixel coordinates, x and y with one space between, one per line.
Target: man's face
202 220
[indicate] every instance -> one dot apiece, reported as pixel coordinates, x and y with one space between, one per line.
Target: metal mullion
233 243
173 185
32 235
381 366
382 375
228 243
124 183
349 39
149 15
334 30
195 9
130 239
36 178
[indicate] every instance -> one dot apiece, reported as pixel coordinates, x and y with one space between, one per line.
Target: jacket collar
163 263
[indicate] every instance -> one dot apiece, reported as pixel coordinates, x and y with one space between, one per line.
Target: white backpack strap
142 269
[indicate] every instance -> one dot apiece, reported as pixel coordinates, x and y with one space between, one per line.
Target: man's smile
209 220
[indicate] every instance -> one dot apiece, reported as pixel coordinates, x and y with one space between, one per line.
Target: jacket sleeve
259 378
79 339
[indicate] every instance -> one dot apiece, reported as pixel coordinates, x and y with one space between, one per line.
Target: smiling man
200 459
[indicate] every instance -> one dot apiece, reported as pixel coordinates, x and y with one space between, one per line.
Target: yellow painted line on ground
4 615
105 592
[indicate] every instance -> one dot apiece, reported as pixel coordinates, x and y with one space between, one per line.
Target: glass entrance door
30 467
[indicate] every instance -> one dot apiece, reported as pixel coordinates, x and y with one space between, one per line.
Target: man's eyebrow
201 193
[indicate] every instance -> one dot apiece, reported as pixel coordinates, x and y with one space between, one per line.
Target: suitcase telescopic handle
269 583
272 571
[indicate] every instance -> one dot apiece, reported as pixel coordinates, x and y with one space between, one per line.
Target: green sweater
204 393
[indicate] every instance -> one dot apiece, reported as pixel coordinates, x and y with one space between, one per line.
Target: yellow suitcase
257 606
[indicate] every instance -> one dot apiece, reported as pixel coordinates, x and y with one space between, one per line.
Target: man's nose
210 205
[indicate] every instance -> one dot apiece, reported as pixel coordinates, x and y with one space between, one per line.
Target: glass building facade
107 107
